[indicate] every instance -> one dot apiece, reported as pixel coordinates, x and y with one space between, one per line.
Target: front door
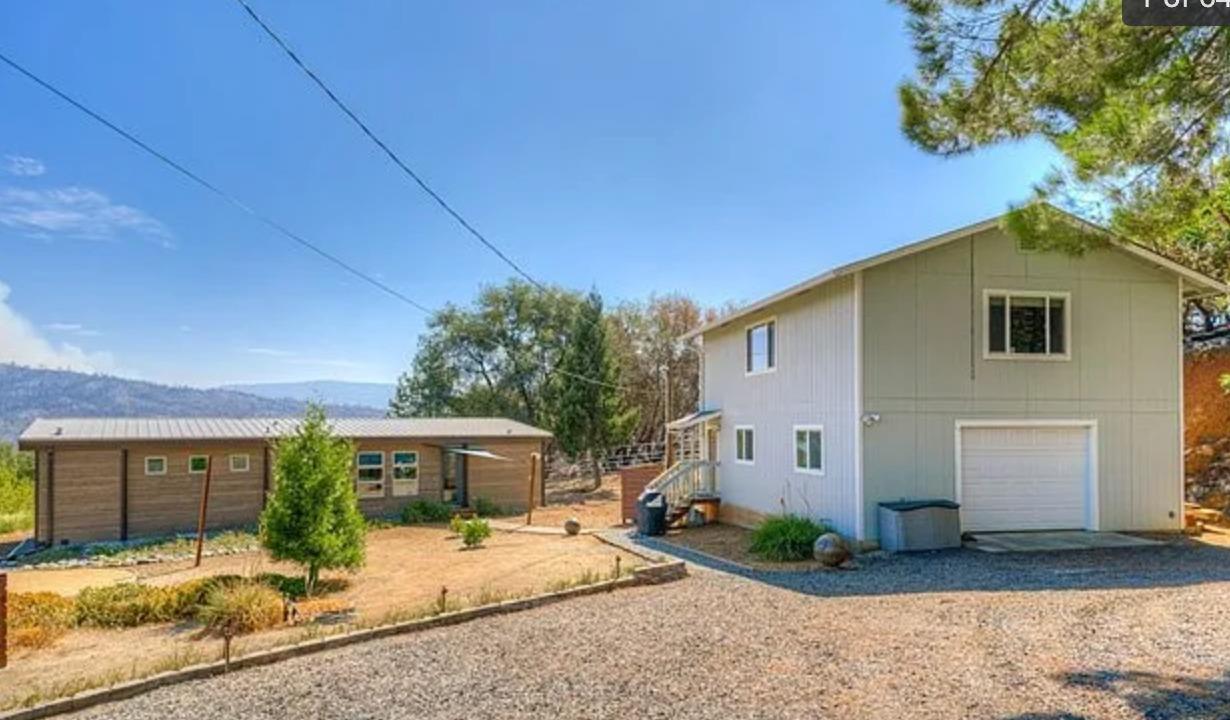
454 476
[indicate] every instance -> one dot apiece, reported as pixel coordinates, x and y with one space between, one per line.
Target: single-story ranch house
121 478
1037 389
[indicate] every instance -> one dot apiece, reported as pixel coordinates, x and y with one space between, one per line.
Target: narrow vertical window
760 350
809 449
745 445
997 327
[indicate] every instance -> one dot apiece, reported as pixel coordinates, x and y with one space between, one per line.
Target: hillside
337 392
27 393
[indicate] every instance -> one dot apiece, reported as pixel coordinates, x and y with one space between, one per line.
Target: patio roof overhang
694 419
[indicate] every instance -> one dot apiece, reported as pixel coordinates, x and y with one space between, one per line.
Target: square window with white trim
370 478
761 347
240 463
745 445
1027 325
405 473
198 464
809 449
156 465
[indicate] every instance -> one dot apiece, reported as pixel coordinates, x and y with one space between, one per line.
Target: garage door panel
1024 477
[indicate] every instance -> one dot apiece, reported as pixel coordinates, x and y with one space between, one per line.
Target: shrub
296 589
786 538
487 508
241 608
456 524
16 489
426 511
474 531
36 620
126 605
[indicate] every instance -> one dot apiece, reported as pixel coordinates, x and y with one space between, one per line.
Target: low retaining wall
649 575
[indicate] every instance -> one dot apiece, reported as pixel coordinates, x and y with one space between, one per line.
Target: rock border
657 574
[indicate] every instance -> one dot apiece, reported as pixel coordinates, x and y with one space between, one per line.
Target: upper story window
1027 325
745 444
761 347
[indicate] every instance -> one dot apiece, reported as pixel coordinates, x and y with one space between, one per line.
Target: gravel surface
1098 634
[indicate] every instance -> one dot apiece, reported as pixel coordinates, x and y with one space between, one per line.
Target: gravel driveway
1100 634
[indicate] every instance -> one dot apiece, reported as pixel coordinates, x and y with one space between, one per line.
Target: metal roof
1202 284
62 430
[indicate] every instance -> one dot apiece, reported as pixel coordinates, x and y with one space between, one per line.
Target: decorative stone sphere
830 550
572 526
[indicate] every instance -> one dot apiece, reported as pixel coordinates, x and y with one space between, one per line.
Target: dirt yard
731 543
406 568
572 497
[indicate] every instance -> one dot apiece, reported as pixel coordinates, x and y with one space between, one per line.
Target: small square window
240 463
198 464
1027 325
761 350
745 445
809 449
156 465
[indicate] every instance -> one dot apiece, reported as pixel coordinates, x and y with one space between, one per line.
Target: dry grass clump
36 620
241 608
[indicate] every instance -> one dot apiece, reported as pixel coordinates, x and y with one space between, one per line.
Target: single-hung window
745 445
405 472
761 347
240 463
809 449
156 465
1028 324
198 464
370 474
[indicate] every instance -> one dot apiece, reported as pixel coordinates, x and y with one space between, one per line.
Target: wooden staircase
684 484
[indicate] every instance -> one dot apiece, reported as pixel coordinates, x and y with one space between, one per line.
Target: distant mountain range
27 393
336 392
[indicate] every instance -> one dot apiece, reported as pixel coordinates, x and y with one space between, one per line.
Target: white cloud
76 212
21 343
293 358
23 166
269 351
73 328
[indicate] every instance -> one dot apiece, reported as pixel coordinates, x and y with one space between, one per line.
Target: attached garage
1027 475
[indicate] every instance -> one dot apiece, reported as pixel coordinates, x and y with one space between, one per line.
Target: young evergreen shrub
786 538
474 531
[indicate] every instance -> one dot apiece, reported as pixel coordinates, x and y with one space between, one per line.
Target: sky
719 149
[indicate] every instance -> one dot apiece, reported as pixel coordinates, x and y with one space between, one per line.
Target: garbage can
913 525
651 513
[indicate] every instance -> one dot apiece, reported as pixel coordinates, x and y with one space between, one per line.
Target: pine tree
590 416
313 517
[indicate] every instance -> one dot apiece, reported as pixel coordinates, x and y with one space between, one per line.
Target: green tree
312 517
590 413
1139 115
496 357
16 489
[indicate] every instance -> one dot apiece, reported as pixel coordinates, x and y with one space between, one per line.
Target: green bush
474 531
38 619
487 508
786 538
127 605
426 511
241 607
456 524
16 489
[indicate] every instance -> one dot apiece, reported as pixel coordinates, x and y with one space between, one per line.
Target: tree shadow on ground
1178 562
1155 696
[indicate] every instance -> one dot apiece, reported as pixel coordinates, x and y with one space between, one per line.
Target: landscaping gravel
1117 634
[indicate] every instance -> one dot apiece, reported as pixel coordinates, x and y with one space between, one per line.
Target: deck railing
685 481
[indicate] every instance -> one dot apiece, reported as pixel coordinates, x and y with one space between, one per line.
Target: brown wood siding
170 503
87 498
41 526
430 475
504 482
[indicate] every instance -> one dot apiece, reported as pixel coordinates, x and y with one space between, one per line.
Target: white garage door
1024 477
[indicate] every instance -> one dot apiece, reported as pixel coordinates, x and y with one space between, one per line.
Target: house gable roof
1202 284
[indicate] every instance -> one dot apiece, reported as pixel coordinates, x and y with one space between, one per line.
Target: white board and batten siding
812 384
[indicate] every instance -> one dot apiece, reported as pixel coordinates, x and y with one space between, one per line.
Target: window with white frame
761 347
1025 324
198 464
370 479
156 465
809 449
745 444
405 472
240 463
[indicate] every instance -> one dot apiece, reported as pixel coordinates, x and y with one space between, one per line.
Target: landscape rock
830 550
572 526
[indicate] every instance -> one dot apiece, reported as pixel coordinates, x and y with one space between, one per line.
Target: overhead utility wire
236 202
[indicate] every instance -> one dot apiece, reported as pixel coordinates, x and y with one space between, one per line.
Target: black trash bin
651 513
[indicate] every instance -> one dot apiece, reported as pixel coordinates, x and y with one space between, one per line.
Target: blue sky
719 149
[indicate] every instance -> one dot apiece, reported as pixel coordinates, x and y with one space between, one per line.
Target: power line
384 147
234 201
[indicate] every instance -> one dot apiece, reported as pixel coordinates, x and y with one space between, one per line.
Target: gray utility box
913 525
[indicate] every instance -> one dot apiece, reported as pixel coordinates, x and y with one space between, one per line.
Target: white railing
631 455
685 481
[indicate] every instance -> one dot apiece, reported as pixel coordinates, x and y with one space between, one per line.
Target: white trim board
1092 513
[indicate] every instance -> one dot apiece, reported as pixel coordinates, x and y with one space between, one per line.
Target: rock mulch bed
1123 634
